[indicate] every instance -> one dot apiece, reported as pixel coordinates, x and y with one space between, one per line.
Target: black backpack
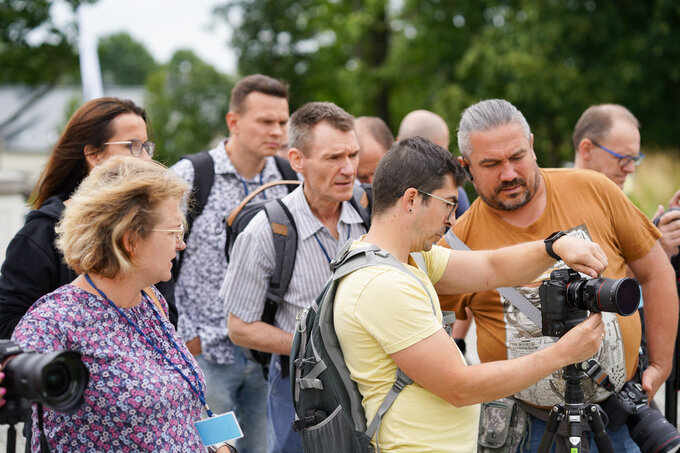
204 177
328 412
285 245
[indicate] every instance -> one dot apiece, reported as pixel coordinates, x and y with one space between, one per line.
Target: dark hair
413 162
596 122
377 128
309 115
89 125
255 83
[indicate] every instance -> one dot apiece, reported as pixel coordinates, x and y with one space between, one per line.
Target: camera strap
511 294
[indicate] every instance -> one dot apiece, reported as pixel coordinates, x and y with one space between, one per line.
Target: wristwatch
214 448
550 240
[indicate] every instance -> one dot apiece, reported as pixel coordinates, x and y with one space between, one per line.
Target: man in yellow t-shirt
385 318
520 202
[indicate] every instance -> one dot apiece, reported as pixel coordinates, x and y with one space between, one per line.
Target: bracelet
550 240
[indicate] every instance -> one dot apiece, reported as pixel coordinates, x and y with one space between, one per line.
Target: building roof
37 128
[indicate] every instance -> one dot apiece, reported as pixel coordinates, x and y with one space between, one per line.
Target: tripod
576 412
13 412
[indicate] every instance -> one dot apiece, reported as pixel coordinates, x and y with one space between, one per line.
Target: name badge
221 428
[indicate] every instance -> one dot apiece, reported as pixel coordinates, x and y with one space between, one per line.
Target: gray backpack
328 411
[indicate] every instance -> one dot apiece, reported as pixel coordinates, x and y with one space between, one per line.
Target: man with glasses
387 317
518 201
607 139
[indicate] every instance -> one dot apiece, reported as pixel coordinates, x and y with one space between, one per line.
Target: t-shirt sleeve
436 260
396 311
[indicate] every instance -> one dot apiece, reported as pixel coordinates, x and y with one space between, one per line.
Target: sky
162 26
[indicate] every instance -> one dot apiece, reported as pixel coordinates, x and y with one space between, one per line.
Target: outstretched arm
481 270
435 364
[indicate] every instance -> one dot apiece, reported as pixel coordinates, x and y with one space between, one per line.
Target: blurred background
179 59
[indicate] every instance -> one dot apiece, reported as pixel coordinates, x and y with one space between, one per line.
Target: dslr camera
566 299
57 380
648 427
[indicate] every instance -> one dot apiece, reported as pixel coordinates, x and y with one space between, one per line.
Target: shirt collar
309 223
224 166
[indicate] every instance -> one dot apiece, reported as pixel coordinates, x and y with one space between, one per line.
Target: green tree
33 50
187 100
124 61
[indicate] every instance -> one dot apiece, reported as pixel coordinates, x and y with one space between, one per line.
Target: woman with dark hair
33 267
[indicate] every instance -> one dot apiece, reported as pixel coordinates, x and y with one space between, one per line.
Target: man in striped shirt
324 149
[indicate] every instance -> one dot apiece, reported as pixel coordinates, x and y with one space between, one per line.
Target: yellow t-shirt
380 310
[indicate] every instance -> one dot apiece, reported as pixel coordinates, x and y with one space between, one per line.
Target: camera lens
58 379
620 296
652 432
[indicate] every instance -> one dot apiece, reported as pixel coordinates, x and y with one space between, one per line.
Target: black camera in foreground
566 299
648 427
57 380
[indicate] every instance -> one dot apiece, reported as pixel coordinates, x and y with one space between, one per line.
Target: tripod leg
604 444
554 418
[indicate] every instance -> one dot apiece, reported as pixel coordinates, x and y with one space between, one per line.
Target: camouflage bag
502 426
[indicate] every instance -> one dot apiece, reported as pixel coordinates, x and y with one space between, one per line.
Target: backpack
328 412
284 232
204 177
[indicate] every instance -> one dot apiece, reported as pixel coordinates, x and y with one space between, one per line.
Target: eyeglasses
179 233
623 159
453 204
135 146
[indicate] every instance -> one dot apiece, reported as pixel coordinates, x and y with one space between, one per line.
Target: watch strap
550 240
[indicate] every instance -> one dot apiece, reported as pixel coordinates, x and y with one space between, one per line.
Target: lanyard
198 392
245 185
323 249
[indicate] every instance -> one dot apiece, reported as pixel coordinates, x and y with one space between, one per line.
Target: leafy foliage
187 100
124 61
33 49
551 58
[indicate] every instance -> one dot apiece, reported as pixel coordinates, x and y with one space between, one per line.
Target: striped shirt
253 258
204 263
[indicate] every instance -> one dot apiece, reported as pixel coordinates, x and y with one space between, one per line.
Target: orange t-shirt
583 203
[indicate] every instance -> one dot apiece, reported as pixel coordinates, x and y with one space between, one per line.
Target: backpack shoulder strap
204 176
362 202
284 233
286 170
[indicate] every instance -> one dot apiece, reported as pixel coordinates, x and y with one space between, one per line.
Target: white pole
89 59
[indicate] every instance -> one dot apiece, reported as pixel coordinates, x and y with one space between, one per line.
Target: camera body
57 380
566 299
648 427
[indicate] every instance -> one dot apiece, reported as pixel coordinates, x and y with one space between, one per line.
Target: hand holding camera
583 341
666 222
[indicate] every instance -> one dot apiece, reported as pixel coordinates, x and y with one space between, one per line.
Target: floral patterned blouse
135 401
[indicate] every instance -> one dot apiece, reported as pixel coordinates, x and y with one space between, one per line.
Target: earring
410 210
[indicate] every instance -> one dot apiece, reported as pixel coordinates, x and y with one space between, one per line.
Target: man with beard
520 202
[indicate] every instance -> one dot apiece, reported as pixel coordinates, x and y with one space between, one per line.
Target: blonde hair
121 195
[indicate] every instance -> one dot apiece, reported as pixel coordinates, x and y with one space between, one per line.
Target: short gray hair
303 121
486 115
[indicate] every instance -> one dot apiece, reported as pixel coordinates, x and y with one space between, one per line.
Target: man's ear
296 159
232 122
466 167
585 149
408 200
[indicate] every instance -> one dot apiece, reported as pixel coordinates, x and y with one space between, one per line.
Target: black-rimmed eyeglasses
623 159
135 146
